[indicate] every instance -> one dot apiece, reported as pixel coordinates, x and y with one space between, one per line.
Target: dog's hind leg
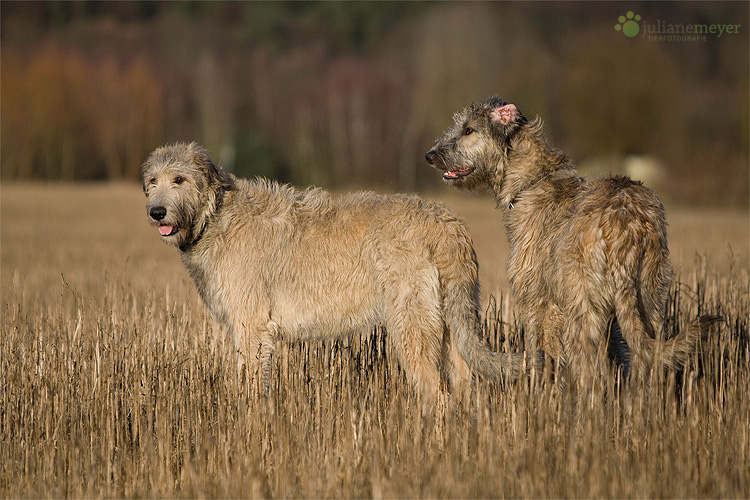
584 353
267 340
588 310
415 326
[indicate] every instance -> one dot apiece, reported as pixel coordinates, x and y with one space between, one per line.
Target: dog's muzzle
430 156
157 213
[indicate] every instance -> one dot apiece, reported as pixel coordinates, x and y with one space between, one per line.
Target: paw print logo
628 24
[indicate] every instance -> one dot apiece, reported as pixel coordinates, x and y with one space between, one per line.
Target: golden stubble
117 383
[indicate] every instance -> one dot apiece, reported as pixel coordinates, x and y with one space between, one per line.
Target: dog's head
470 153
182 186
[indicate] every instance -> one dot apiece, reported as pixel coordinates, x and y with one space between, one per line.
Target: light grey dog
274 262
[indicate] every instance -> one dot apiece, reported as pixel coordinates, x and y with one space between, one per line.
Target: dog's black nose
430 156
158 213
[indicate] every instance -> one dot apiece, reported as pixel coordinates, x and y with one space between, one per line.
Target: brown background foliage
342 94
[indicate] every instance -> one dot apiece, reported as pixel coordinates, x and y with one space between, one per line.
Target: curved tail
642 278
495 366
649 345
675 352
458 268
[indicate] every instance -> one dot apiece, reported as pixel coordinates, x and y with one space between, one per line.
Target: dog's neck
217 204
528 162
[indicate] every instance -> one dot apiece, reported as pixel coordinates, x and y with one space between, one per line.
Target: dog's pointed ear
507 114
217 176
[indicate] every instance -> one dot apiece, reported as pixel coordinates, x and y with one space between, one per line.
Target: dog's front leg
266 342
255 345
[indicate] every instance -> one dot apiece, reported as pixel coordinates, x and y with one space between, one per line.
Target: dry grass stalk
116 386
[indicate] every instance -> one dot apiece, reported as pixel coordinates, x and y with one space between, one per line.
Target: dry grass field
116 382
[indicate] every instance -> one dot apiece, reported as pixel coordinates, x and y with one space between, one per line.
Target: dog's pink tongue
165 230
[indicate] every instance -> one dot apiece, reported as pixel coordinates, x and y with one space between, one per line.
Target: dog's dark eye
179 180
468 131
152 181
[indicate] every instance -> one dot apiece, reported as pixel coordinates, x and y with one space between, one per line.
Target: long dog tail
675 352
495 366
458 267
641 323
642 278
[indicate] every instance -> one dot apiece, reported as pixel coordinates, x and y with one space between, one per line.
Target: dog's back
316 266
275 262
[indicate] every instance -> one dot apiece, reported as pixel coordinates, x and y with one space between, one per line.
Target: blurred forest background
352 94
